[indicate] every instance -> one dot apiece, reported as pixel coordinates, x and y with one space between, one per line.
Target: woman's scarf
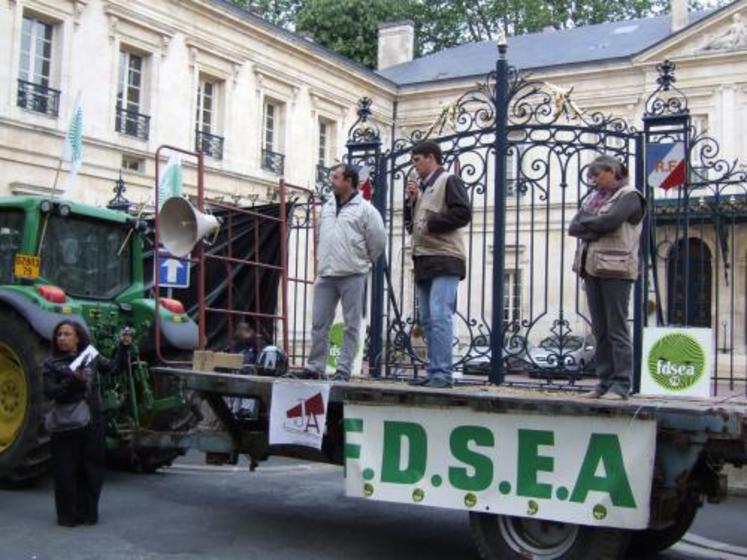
600 198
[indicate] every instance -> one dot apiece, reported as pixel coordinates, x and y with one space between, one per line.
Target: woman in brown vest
608 227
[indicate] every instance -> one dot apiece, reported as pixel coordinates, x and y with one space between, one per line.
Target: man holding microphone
437 206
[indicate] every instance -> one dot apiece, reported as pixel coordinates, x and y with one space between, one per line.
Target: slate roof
587 44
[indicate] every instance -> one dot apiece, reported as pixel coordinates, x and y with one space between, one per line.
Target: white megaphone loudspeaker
182 226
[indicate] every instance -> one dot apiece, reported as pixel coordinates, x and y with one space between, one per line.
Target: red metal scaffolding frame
200 257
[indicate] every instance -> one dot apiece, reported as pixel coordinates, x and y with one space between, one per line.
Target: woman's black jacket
62 387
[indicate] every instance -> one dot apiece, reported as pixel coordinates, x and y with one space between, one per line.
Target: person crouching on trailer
76 423
608 227
351 237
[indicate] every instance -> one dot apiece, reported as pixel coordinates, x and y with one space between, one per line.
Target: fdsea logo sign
562 468
676 361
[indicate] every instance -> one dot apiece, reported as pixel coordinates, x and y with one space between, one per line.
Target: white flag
170 183
72 150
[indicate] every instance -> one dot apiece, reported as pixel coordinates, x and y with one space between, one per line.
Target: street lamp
119 202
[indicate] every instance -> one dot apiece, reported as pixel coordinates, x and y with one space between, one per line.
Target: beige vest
615 254
433 201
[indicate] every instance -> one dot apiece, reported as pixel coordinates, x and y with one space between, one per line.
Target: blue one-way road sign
172 272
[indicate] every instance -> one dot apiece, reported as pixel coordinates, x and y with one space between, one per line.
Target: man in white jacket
351 237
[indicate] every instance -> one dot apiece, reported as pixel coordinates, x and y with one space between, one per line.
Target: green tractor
90 268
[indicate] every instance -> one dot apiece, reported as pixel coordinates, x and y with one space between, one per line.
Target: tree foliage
350 27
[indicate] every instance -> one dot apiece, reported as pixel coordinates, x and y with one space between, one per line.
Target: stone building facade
262 103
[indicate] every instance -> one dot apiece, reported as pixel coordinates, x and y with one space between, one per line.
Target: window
698 173
205 106
35 69
11 236
699 123
272 158
512 300
322 155
130 93
77 256
322 168
131 163
513 174
207 140
270 119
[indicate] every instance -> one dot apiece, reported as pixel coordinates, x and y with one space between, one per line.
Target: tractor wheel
24 443
503 537
651 541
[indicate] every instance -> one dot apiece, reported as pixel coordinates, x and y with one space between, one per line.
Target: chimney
679 15
396 43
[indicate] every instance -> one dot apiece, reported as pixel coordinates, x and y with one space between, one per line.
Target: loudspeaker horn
182 226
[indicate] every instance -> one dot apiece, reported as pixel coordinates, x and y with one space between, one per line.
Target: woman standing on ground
608 227
76 422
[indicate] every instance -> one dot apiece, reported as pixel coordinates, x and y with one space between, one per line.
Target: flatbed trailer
543 474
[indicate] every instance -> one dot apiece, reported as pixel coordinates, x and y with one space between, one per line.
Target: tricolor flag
665 164
170 183
72 149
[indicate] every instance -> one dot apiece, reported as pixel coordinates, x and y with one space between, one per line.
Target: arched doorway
689 277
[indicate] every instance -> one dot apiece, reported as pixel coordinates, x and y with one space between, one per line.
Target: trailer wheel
503 537
24 444
650 541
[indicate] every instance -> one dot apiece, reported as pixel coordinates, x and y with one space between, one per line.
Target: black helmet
272 361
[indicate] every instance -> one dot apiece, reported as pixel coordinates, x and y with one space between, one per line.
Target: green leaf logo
676 362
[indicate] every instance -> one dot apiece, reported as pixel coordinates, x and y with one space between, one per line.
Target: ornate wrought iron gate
696 275
519 256
517 250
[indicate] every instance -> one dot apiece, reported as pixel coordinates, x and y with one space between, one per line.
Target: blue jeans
437 304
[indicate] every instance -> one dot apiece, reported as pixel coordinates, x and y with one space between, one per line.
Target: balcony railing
38 98
132 123
273 162
209 144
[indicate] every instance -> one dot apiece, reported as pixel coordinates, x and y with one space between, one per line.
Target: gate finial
667 100
364 131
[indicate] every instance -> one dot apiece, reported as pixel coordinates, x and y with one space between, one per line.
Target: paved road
286 510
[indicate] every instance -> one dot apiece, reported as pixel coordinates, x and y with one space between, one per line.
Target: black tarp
254 288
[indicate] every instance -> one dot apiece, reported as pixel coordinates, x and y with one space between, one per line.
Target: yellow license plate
27 266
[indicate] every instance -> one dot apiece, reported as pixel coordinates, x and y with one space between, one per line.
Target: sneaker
596 393
418 381
341 376
614 396
439 383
